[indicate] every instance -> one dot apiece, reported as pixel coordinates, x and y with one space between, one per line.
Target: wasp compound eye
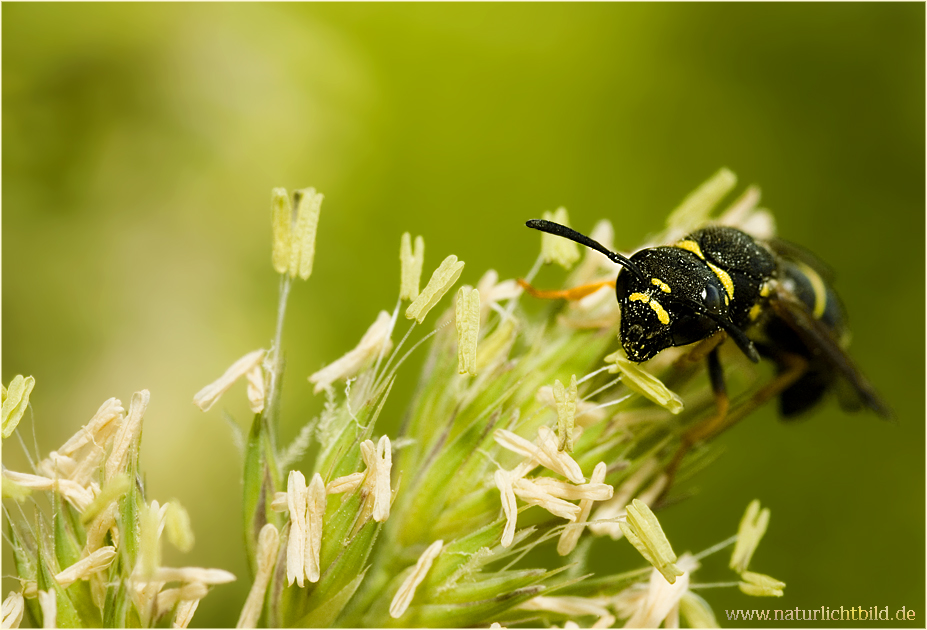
711 298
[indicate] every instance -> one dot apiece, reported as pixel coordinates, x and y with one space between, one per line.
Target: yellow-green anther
759 585
15 401
441 281
644 383
696 611
696 208
15 491
557 249
410 266
177 526
467 321
149 546
112 490
282 222
566 412
302 241
643 530
752 527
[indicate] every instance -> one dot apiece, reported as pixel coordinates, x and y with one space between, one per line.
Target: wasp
772 299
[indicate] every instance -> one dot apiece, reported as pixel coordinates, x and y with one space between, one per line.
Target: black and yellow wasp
772 299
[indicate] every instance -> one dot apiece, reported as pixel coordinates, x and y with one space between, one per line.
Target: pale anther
177 524
410 266
544 453
302 241
49 604
526 490
752 527
565 398
184 613
268 543
348 483
297 503
695 209
255 378
167 598
80 570
406 591
643 530
504 482
441 281
760 585
661 602
374 340
570 536
557 249
207 397
15 401
282 223
13 607
568 605
190 574
467 321
314 516
643 382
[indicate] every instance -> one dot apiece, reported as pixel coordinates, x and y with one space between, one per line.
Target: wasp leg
708 427
724 417
575 293
794 367
702 349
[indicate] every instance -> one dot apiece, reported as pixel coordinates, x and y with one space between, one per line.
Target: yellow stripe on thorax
662 315
724 278
691 246
722 275
817 285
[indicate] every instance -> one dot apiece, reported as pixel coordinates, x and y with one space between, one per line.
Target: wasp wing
816 336
797 253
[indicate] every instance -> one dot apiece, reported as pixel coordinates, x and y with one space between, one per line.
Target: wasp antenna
561 230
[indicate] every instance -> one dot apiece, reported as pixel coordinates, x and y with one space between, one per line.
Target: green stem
276 360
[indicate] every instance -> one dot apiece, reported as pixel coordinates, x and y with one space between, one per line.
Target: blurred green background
141 142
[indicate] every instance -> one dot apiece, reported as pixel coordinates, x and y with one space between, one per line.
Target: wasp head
676 300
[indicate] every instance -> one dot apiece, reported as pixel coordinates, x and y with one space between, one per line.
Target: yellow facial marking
660 311
691 246
817 285
755 312
724 278
662 315
765 289
663 286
